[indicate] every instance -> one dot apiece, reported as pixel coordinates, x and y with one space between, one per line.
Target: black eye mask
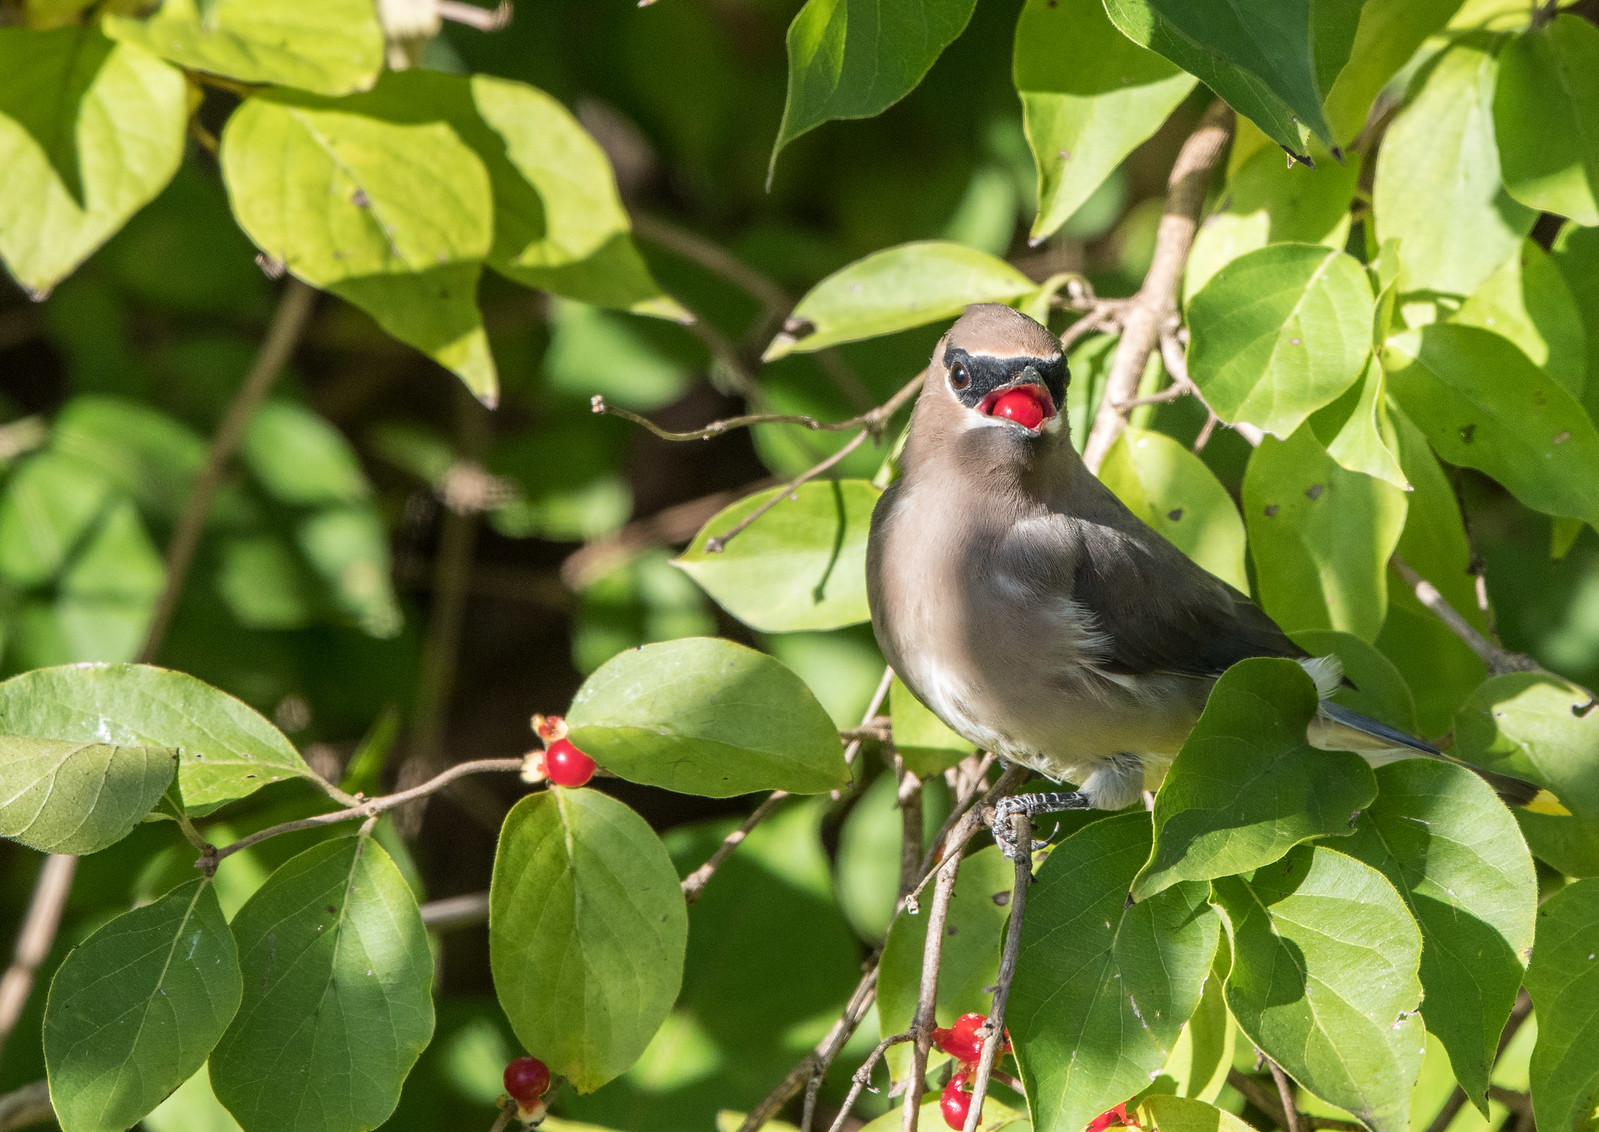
986 373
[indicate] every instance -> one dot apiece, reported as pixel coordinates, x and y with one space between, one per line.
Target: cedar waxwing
1036 615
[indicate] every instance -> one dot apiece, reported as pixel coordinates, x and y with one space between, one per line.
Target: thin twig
694 883
1498 660
719 543
1285 1094
715 259
873 706
1022 833
1156 302
25 1107
863 1078
1264 1097
38 933
669 527
507 1113
371 807
910 844
288 323
465 911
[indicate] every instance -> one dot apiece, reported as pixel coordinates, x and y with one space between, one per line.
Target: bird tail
1337 728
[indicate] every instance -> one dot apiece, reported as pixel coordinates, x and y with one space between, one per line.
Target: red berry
962 1040
1022 405
1112 1117
565 765
956 1102
526 1078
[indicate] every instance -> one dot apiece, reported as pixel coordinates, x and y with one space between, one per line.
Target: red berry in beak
1023 405
565 765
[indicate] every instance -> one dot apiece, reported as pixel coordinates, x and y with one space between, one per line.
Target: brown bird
1037 616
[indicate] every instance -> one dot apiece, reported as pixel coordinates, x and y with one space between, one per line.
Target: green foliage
1561 981
67 797
1546 118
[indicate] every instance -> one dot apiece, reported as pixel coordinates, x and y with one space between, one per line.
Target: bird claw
1030 804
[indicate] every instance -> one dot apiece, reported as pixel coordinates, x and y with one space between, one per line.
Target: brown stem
1265 1098
1155 305
25 1107
910 843
1022 833
694 883
283 334
507 1113
367 809
38 933
862 1079
1497 659
1285 1094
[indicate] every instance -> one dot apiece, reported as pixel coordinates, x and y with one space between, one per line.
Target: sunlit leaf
1179 1114
802 565
1324 979
1387 36
706 716
1527 301
1246 787
1089 95
920 737
1357 432
587 929
61 796
896 289
136 1008
1563 980
1546 118
1103 986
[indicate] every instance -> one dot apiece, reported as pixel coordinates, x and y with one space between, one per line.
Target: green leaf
106 596
969 964
559 224
1259 55
337 994
802 565
1172 490
1539 727
1452 850
997 1117
896 289
1269 201
135 1009
145 454
1179 1114
1090 96
1103 987
326 48
1437 189
61 796
225 749
1546 118
1563 980
1246 787
1321 537
1357 432
349 548
374 198
1527 301
856 58
709 717
1280 332
920 737
867 864
1483 404
1199 1060
1386 38
1324 979
587 929
1577 258
50 505
300 459
90 132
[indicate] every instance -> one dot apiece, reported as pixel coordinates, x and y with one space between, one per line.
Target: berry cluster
527 1079
561 762
964 1042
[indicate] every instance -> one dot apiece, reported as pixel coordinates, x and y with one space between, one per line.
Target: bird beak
1025 401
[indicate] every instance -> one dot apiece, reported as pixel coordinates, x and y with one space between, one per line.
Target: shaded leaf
1179 1114
1386 38
299 458
1437 189
1546 118
327 48
1324 979
1246 787
1172 490
225 749
337 994
1199 1061
136 1008
62 796
920 737
1320 536
1090 96
856 58
1576 256
587 929
90 132
1452 850
1483 404
1563 980
1379 689
896 289
802 565
1103 987
1527 301
1280 332
705 716
50 504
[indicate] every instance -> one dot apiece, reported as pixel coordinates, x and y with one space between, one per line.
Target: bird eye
959 378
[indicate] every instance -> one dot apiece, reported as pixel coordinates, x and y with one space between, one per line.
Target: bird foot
1031 805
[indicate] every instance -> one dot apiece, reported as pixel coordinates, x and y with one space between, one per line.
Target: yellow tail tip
1546 803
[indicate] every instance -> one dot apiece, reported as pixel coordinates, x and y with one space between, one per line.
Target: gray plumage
1036 615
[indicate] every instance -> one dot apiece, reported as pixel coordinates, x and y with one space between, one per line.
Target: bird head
1002 370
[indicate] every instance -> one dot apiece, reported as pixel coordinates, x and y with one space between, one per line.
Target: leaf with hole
136 1008
587 929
